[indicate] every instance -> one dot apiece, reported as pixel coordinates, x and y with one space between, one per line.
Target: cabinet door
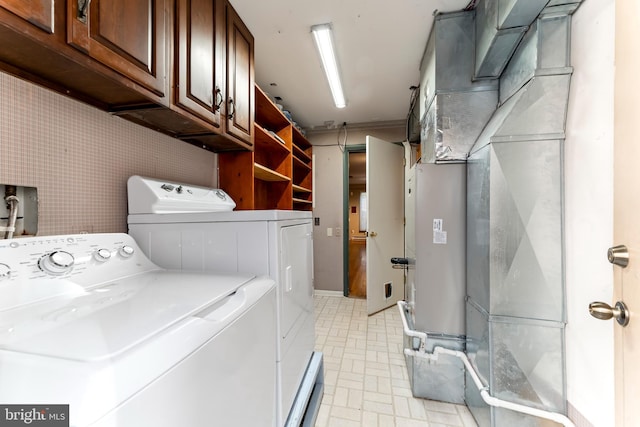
128 36
200 54
37 12
240 78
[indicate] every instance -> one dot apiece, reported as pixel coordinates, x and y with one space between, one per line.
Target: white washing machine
88 321
186 227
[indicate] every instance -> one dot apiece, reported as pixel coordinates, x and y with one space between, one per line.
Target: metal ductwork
515 298
500 25
515 288
453 107
534 89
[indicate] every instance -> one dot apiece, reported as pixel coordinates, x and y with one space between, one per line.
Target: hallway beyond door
358 268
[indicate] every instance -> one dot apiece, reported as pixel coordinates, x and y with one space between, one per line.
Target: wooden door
200 49
37 12
626 208
128 36
240 78
385 223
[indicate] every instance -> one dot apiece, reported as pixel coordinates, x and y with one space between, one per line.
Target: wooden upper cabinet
182 67
128 36
240 78
37 12
200 49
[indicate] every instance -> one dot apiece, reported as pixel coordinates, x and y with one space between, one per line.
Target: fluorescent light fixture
324 41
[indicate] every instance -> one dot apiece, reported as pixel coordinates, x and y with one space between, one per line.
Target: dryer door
296 270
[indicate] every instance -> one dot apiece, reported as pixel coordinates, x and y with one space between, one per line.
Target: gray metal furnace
436 286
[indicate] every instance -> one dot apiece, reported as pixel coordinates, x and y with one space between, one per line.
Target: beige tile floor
366 381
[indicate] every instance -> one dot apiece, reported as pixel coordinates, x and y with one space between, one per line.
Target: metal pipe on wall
13 202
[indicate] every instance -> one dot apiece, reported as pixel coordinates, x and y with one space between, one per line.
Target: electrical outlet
338 231
388 290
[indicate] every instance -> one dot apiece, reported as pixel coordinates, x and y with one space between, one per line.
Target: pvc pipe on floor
484 390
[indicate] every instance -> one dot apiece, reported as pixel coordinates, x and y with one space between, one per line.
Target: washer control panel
36 268
85 259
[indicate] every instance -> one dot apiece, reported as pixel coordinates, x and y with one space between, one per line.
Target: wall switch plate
329 232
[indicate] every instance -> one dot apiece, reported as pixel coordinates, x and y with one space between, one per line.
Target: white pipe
484 390
13 202
408 331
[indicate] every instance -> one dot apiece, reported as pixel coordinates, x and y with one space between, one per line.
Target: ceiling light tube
324 42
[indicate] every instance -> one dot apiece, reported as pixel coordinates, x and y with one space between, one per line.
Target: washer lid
105 321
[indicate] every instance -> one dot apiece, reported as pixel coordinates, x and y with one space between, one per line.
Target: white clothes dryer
208 236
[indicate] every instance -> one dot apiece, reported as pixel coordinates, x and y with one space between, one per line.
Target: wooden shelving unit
263 173
302 167
277 174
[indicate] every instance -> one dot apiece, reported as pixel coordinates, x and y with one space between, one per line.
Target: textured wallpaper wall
79 158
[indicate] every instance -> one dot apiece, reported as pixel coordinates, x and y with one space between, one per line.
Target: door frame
356 148
625 204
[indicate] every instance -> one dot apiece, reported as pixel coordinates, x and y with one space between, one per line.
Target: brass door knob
371 234
603 311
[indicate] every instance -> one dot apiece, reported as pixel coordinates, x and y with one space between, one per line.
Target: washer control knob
126 251
5 271
102 255
58 262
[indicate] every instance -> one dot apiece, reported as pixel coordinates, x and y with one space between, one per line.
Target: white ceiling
379 42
